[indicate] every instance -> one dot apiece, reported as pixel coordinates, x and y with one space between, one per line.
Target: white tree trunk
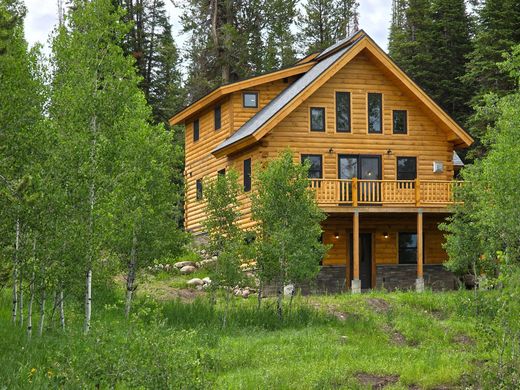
15 271
88 302
42 312
20 300
29 307
132 264
62 311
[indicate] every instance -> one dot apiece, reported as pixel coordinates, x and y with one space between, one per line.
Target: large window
317 119
316 168
343 112
407 248
250 99
375 113
406 168
400 122
196 130
247 175
199 189
218 117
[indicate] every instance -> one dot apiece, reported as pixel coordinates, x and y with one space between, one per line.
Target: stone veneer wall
403 276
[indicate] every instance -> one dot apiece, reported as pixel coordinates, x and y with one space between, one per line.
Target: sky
375 18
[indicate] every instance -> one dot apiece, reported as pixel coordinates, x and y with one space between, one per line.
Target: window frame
196 129
304 156
244 99
380 114
247 176
199 191
324 110
416 243
397 166
405 122
221 172
217 124
337 129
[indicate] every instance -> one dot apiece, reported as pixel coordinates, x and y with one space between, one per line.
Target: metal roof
287 95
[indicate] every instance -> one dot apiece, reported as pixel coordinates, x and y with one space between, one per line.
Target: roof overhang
224 90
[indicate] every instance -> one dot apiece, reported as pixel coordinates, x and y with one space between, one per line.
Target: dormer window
250 99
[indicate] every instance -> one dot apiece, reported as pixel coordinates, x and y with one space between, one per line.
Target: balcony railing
359 192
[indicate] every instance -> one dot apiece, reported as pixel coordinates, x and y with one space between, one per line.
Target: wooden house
383 158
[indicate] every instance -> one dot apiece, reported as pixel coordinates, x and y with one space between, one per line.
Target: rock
182 264
288 290
343 339
199 287
188 269
245 293
207 262
195 282
206 280
237 292
214 258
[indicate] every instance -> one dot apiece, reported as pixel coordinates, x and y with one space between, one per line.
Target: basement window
407 248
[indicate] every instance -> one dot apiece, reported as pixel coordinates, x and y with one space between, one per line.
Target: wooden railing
358 192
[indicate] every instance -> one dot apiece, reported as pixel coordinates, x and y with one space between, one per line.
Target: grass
324 342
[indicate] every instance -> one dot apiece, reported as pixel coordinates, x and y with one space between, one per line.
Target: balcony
385 193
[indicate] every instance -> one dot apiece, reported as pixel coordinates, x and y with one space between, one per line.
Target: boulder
195 282
288 290
245 293
206 280
188 269
182 264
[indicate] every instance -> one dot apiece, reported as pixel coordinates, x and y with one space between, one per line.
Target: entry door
363 167
365 259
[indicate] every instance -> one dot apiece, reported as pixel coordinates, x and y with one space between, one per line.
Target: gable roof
325 65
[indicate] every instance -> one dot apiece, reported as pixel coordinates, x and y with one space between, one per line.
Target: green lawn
397 340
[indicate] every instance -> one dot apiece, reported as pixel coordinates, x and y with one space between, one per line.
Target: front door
365 259
364 167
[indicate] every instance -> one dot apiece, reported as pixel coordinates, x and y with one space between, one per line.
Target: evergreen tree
151 43
497 30
280 48
324 22
429 40
225 42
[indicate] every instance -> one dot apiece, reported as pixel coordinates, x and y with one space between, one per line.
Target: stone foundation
404 277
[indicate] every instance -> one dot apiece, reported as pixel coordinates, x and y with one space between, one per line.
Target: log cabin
382 153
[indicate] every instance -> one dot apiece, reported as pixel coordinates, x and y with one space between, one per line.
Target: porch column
356 283
419 283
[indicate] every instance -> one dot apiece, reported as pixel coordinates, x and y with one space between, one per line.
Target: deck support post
356 283
419 283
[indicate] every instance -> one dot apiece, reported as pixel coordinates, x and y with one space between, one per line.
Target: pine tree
151 43
224 42
317 25
280 48
430 40
497 30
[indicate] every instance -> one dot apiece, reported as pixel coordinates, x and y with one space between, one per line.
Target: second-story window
375 113
218 117
399 122
198 186
406 168
196 130
247 175
343 112
316 168
317 118
250 99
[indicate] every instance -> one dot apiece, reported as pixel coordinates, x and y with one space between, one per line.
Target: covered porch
384 249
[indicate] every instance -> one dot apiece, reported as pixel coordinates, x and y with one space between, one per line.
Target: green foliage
430 40
324 22
226 239
288 218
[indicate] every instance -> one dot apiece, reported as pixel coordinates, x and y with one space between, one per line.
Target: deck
335 194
